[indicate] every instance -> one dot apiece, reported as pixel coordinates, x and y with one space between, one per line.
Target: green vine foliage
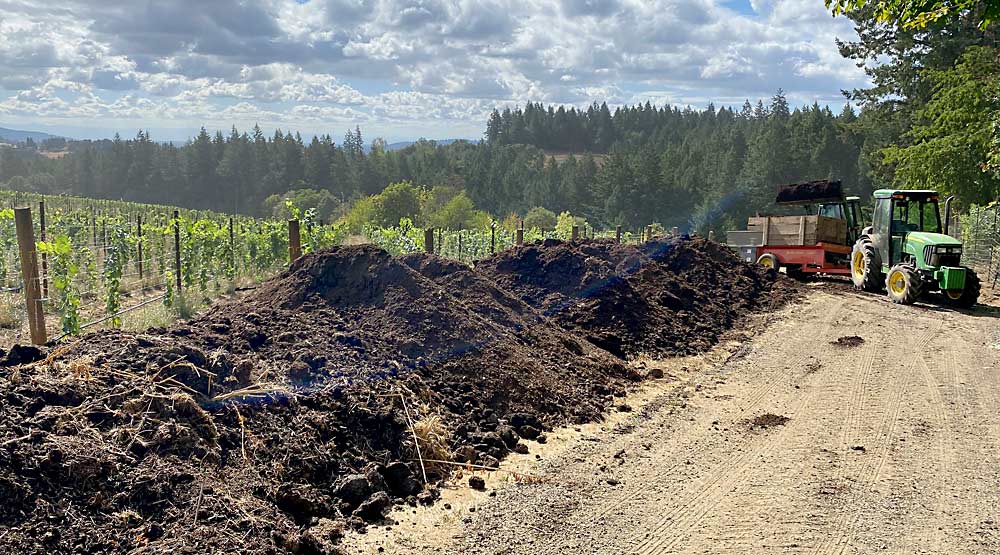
93 249
168 289
64 269
118 250
403 239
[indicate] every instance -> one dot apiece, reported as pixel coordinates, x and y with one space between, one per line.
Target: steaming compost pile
662 298
333 392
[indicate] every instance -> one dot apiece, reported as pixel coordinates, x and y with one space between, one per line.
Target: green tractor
908 252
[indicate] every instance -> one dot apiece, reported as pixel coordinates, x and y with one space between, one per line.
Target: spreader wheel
769 261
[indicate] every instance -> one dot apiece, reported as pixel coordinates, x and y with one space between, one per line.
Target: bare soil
890 445
279 423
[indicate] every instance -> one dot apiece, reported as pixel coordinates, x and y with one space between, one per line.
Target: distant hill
403 144
16 136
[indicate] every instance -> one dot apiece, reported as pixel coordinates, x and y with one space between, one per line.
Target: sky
399 69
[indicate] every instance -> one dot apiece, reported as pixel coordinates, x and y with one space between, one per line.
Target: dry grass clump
432 434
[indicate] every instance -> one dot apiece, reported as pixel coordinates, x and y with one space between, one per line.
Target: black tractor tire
866 267
769 261
969 295
903 284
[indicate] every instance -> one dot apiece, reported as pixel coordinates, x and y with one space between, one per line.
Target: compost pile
662 298
272 424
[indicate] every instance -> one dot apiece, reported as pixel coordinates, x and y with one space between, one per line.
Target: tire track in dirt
758 394
698 504
726 475
870 468
973 392
942 445
851 426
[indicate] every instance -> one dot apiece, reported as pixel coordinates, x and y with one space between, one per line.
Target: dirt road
891 445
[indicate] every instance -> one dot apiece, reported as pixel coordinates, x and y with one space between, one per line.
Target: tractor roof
908 193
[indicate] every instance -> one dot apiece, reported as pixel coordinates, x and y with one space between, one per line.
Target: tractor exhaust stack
947 214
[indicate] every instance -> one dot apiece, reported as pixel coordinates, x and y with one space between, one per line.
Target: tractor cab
908 251
848 210
904 222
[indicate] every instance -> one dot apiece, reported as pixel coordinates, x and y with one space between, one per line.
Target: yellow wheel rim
897 282
859 263
954 295
767 262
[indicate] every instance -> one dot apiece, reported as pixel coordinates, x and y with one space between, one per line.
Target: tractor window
832 211
901 222
930 219
915 215
881 214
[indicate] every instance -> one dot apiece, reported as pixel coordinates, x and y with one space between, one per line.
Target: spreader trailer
817 241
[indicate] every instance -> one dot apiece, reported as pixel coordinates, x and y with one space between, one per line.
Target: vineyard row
96 260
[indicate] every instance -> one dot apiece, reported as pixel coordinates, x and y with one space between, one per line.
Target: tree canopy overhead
917 14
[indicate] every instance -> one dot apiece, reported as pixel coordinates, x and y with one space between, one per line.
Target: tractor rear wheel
967 297
769 261
866 267
903 284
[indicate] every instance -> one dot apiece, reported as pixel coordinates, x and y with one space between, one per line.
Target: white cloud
407 65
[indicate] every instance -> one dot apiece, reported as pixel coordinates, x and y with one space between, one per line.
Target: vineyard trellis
469 245
102 259
105 257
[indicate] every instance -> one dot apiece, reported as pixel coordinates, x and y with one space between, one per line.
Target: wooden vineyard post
29 274
520 233
177 250
294 241
45 257
460 245
429 240
493 237
618 234
575 233
138 232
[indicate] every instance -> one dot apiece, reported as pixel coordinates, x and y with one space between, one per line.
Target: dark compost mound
661 298
271 424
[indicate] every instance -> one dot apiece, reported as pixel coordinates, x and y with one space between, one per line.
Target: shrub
540 218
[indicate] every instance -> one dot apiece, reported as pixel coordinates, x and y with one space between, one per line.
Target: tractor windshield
916 215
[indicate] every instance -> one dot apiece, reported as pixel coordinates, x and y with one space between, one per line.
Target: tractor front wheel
866 267
967 297
903 284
